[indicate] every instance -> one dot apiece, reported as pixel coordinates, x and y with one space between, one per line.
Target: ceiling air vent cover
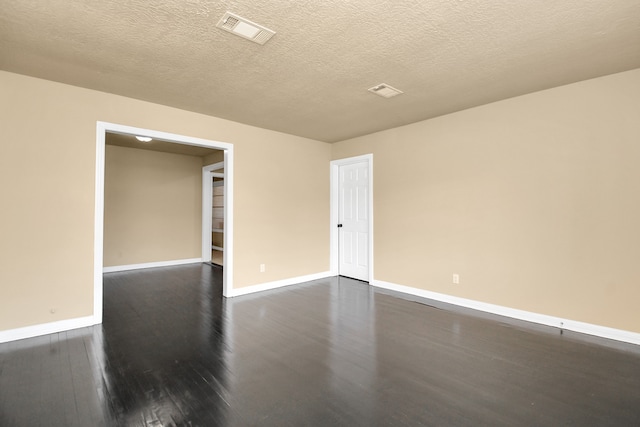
244 28
385 90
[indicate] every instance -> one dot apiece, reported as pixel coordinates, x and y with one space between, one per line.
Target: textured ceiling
312 78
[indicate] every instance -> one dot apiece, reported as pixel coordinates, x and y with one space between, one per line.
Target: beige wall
215 157
534 201
152 206
47 175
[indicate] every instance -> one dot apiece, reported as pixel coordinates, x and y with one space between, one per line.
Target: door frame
207 205
334 263
98 238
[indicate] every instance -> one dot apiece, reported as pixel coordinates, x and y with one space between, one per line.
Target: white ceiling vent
244 28
385 90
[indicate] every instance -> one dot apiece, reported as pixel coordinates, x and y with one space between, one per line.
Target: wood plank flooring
333 352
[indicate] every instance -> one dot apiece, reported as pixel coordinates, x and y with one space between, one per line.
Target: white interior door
353 220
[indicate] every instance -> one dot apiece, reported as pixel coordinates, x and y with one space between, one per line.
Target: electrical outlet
262 268
456 279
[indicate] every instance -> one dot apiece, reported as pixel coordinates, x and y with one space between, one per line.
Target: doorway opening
217 229
102 129
214 197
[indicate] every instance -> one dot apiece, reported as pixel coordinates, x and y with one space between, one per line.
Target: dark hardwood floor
333 352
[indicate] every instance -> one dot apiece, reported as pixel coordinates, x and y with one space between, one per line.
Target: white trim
150 265
98 228
227 239
214 167
101 129
543 319
279 283
333 221
45 328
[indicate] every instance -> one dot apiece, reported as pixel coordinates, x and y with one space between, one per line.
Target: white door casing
101 129
352 217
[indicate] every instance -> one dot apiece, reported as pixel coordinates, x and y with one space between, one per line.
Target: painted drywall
47 178
534 201
152 206
215 157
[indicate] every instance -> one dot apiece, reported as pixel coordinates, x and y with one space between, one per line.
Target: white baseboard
46 328
150 265
543 319
278 284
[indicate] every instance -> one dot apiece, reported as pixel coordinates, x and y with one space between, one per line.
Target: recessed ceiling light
143 138
385 90
244 28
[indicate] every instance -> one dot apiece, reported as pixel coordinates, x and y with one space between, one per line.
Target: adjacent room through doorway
149 202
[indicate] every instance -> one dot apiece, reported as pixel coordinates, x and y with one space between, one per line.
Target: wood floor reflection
333 352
